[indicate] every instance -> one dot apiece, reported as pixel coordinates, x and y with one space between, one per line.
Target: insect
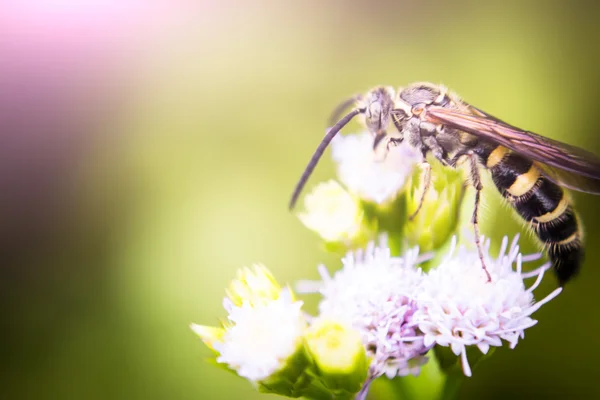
529 170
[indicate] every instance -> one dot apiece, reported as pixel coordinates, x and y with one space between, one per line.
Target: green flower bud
437 219
337 216
339 359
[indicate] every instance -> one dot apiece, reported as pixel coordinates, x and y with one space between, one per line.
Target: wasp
530 171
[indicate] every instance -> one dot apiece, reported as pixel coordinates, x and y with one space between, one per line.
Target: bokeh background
148 150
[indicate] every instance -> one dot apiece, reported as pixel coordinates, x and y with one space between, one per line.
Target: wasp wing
568 179
567 165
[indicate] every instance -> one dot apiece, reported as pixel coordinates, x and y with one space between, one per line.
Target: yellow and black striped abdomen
542 203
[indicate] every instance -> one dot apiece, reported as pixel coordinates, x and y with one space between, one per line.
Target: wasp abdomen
540 202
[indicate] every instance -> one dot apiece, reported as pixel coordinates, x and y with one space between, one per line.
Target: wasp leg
476 181
426 186
380 153
432 146
392 141
397 124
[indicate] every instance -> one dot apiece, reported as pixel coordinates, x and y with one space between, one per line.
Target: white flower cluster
402 312
370 175
268 340
261 338
334 211
264 325
375 293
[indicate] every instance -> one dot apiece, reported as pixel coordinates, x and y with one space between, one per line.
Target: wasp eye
400 114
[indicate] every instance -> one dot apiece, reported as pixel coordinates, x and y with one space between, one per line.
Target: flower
402 312
339 356
368 174
266 340
254 286
332 212
458 307
376 294
379 315
264 328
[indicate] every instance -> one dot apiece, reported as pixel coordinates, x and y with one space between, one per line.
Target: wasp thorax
378 105
421 93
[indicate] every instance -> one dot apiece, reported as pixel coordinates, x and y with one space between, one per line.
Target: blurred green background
149 150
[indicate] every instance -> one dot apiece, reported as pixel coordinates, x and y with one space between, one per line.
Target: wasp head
378 105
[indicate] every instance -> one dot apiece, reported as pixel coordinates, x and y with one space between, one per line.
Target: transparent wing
567 165
569 180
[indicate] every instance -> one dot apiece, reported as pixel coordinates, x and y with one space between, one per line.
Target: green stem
431 384
452 387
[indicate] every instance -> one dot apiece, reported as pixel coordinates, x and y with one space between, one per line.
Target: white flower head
264 327
460 308
260 339
369 174
332 212
376 294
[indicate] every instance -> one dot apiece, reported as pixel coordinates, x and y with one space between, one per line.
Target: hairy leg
426 185
476 180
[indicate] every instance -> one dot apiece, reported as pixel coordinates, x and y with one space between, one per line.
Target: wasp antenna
319 152
337 112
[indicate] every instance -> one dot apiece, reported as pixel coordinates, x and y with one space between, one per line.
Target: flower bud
338 356
436 220
334 214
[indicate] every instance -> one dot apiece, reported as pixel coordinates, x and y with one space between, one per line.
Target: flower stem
362 395
431 384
